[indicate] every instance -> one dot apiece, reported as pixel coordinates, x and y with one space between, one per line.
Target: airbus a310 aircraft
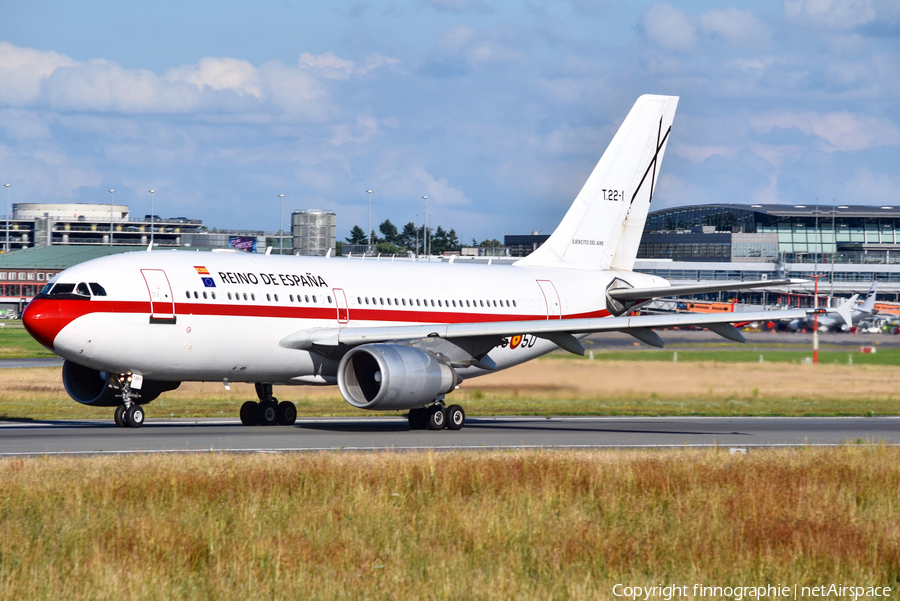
393 335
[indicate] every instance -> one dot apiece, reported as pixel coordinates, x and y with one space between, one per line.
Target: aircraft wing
641 294
558 331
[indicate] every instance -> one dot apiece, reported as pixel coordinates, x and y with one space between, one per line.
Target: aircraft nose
43 321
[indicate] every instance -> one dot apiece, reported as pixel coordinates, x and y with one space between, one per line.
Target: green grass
17 343
455 525
883 356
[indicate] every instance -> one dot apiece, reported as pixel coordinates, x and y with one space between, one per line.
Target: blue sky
497 111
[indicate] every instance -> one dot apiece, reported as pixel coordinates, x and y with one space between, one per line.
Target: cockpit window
97 289
46 289
82 289
61 289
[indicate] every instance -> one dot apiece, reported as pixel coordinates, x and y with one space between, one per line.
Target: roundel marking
515 341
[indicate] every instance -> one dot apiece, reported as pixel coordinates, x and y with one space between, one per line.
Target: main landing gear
268 411
437 417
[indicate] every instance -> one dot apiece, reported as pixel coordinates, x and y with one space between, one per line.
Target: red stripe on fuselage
46 317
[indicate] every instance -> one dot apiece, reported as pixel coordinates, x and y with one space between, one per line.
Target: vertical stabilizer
603 227
868 305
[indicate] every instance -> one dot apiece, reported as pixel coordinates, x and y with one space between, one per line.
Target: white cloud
414 182
698 154
841 14
668 27
733 26
837 131
866 186
330 66
213 86
365 129
460 6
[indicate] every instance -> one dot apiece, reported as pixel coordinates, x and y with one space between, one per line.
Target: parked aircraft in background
391 335
861 310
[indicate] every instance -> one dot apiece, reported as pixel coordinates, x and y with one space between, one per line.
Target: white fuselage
165 319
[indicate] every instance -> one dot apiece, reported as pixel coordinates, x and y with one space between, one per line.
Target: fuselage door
343 311
551 297
162 304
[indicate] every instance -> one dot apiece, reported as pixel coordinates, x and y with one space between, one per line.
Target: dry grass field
552 385
513 525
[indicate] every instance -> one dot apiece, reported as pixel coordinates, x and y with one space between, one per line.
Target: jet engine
389 376
89 387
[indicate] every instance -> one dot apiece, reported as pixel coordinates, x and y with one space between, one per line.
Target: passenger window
213 295
432 303
307 298
252 296
196 295
454 303
439 303
467 303
82 289
359 300
404 301
229 296
204 294
417 303
507 303
188 294
395 302
276 298
269 297
245 296
367 300
291 296
314 298
97 289
329 299
389 301
482 303
382 300
514 303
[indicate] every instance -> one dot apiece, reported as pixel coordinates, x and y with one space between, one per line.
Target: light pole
152 216
425 228
369 230
417 234
281 225
7 215
111 197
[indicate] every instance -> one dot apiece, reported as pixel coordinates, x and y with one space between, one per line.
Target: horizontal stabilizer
640 294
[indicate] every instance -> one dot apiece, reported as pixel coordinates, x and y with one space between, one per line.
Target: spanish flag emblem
515 341
201 270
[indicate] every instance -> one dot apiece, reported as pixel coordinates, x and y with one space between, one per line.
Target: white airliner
861 310
393 335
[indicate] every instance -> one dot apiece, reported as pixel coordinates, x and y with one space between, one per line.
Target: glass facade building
771 233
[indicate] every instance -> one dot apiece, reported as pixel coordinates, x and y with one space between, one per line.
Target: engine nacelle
390 376
89 387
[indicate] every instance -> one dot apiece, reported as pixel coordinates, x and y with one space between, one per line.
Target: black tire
287 413
268 413
417 418
250 413
456 417
119 416
134 416
437 419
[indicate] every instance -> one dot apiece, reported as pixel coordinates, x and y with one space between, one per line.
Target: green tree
357 236
389 231
408 236
386 248
438 241
452 240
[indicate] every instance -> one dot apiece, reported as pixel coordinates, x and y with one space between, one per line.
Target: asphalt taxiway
209 434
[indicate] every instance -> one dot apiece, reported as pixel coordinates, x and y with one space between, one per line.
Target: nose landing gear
129 414
268 411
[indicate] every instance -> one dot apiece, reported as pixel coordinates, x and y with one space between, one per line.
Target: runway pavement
165 435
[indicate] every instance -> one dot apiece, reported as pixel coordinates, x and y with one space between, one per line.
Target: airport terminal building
847 246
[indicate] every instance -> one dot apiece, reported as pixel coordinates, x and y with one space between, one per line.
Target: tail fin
603 227
868 305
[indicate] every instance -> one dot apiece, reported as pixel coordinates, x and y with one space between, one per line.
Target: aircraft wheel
268 413
436 418
417 418
134 416
287 413
456 417
119 416
250 413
